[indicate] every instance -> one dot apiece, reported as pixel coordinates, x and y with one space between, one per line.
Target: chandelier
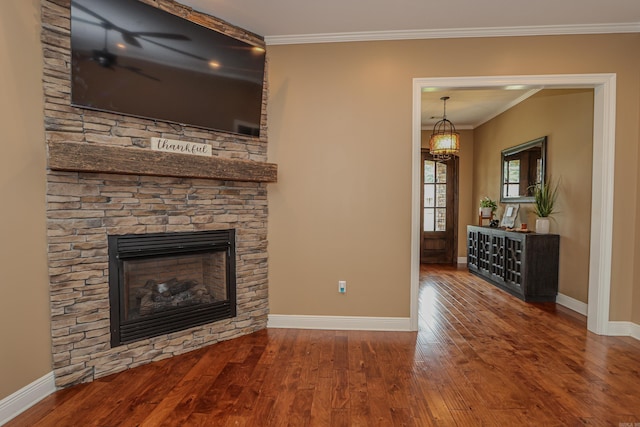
445 141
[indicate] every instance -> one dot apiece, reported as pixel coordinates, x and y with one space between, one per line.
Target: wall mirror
523 167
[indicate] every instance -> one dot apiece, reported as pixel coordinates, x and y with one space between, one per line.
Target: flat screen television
131 58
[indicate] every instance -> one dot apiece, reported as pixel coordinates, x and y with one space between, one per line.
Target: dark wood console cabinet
523 264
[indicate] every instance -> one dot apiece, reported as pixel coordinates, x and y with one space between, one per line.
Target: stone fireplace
104 180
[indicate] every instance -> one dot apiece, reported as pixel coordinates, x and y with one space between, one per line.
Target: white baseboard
13 405
615 328
462 260
572 303
635 331
355 323
624 329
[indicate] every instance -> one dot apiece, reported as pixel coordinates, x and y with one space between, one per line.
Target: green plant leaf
545 196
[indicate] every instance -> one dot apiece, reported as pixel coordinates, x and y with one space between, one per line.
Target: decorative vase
542 225
486 212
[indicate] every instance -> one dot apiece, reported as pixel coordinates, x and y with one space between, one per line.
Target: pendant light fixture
445 141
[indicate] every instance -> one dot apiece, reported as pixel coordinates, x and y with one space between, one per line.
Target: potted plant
545 195
487 207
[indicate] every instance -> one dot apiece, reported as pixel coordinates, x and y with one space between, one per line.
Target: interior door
438 243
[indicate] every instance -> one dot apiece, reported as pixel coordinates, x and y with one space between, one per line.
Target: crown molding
538 30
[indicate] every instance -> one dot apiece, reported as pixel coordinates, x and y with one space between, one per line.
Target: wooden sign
180 147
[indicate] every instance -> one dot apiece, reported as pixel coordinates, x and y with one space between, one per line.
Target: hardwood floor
481 357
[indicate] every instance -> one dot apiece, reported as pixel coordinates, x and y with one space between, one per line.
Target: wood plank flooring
481 357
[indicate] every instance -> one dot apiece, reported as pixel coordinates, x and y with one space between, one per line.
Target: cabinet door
472 250
513 264
484 252
497 257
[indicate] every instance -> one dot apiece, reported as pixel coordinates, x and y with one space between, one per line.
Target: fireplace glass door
159 284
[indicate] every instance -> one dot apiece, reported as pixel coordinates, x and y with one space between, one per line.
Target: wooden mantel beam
84 157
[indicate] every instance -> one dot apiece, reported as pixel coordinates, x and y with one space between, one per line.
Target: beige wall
25 344
467 205
565 117
334 214
635 315
636 292
340 130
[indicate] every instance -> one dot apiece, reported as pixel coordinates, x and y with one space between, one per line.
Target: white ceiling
469 108
292 21
304 21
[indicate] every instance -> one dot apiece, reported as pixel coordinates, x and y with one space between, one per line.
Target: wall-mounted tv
131 58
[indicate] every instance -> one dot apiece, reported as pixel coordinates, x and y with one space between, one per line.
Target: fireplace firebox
166 282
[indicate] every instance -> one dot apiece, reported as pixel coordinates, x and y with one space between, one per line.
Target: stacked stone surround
84 208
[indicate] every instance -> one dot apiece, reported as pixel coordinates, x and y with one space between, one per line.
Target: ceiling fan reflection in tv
134 59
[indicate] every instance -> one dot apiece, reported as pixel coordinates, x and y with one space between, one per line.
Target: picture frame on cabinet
510 215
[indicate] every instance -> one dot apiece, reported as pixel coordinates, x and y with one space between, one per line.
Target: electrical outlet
342 286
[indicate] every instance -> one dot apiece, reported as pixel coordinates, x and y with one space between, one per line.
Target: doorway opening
604 86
